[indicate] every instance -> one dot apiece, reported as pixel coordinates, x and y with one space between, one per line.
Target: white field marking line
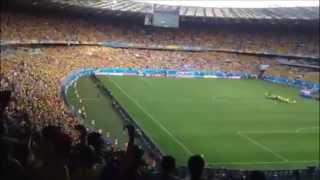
154 120
300 129
152 140
262 146
271 132
267 162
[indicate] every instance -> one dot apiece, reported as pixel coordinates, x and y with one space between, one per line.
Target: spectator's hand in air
131 131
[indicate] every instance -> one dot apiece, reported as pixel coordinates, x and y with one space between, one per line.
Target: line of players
279 98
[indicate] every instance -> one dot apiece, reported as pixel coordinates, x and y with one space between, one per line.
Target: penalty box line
279 131
299 130
262 146
153 119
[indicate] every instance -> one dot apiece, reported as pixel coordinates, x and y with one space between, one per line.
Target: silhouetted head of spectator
50 132
4 151
4 99
196 166
168 165
82 130
46 148
55 142
95 140
84 156
257 175
62 144
3 129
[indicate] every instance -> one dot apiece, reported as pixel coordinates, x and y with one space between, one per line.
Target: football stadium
146 90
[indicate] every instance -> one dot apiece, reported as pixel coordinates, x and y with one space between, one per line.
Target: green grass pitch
229 122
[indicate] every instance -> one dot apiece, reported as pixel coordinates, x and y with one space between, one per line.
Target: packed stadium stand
42 41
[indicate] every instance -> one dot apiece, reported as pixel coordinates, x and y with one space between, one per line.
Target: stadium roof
237 3
121 7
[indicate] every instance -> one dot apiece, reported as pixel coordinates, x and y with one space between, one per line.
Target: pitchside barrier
292 82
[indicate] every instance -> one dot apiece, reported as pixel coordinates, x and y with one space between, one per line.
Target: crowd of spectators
37 72
33 75
51 153
286 41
